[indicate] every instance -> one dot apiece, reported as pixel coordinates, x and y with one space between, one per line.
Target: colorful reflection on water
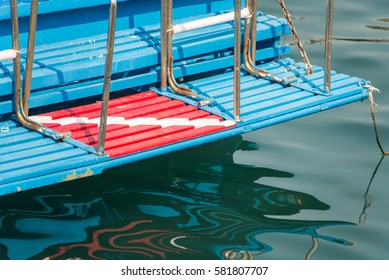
195 204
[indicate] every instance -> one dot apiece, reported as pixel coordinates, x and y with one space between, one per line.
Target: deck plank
30 162
48 168
26 145
34 152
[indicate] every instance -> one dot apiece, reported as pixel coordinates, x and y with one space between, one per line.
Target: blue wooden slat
27 145
304 103
208 83
19 139
34 152
48 6
11 131
251 92
8 123
23 164
285 98
294 100
54 172
223 85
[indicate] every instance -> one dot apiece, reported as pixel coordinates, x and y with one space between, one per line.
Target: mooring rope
373 109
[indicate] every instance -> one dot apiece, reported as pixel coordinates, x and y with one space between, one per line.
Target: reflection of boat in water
201 210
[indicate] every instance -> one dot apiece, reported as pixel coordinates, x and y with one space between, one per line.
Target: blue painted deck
28 160
69 65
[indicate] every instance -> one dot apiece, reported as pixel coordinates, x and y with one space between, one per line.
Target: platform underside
153 123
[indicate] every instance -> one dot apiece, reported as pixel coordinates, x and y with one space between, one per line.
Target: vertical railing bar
16 61
163 44
30 55
237 58
328 45
107 77
254 12
23 119
169 28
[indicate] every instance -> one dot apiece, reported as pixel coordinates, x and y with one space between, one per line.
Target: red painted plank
147 111
120 133
162 140
96 106
115 111
121 139
95 130
194 115
74 127
146 136
173 112
214 117
51 125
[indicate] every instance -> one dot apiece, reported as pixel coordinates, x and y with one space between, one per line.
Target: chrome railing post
30 55
237 58
19 111
16 61
254 12
164 44
107 77
328 45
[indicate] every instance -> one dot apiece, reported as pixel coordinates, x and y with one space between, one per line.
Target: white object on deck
209 21
8 54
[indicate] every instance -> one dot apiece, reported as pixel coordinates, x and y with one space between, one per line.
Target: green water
316 187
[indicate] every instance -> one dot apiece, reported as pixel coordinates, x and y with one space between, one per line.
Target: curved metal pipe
23 119
250 66
169 36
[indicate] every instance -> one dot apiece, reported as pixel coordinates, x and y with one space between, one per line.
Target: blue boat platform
145 121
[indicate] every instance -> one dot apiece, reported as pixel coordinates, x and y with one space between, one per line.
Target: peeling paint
19 189
75 175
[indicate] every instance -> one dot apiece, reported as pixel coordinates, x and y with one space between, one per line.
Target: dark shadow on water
194 204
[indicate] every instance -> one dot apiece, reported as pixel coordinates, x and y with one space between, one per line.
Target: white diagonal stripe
197 123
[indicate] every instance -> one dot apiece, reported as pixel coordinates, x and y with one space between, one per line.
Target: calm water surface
316 187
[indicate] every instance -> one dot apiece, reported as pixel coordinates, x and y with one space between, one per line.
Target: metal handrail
168 32
30 55
253 47
163 80
19 110
21 100
237 58
107 77
249 49
328 45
